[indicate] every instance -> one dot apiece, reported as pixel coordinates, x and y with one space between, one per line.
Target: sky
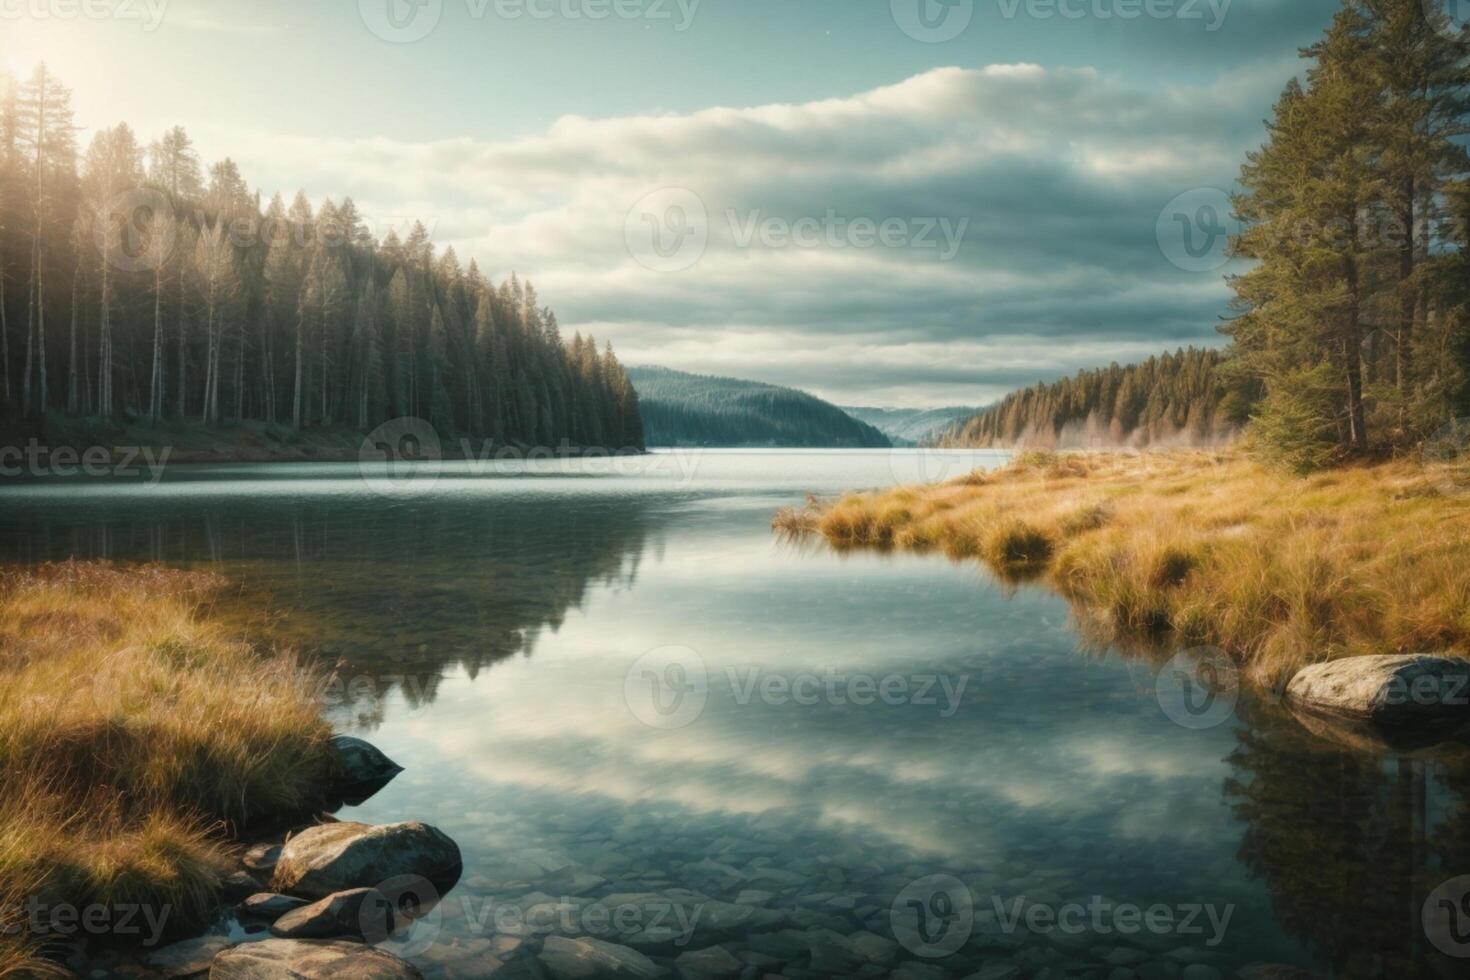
885 202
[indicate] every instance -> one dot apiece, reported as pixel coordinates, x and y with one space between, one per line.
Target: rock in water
714 963
362 769
335 857
574 959
1412 696
301 959
362 913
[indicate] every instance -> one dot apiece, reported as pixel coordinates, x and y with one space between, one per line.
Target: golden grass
1204 548
135 735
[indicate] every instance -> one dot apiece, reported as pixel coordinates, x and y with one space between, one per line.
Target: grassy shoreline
1203 548
137 736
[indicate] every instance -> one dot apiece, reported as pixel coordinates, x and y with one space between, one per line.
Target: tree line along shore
136 283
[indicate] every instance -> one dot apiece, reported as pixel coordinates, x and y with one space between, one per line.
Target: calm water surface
645 718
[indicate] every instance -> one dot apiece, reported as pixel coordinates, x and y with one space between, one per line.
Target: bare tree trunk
155 376
182 408
1352 349
1408 300
4 339
300 354
73 393
41 349
104 347
269 370
25 388
240 375
322 369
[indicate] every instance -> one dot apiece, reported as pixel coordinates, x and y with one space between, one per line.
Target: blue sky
703 183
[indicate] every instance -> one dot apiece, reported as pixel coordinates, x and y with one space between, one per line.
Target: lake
647 719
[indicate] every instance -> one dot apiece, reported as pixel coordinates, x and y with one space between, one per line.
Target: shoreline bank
1202 548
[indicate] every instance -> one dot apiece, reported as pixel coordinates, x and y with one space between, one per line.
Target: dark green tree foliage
1181 397
166 290
1354 315
682 409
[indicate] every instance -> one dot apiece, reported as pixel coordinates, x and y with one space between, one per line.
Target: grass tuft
135 735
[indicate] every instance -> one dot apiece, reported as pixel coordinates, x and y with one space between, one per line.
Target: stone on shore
261 859
186 958
364 913
240 885
304 959
270 905
335 857
1411 696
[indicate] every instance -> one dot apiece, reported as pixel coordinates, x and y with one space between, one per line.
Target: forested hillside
682 409
135 282
1180 398
912 426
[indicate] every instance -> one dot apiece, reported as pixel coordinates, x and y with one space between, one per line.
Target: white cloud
1059 175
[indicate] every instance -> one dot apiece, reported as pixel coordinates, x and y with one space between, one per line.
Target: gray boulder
1409 697
186 958
301 959
270 905
239 885
361 769
361 762
261 859
335 857
575 959
360 913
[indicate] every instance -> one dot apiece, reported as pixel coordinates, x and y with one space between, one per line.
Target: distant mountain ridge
682 409
912 426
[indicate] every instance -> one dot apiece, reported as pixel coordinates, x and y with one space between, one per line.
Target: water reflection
1031 773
